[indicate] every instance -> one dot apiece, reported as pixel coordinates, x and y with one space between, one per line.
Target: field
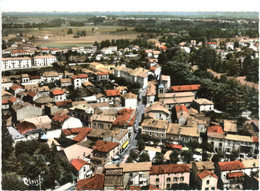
58 37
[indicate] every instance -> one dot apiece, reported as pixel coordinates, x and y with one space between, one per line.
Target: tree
234 155
70 31
215 158
144 157
158 158
133 154
187 156
141 144
205 156
174 157
193 145
10 181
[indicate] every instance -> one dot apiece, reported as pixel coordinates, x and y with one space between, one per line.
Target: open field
58 37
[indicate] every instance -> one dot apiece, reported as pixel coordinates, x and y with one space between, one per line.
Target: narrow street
139 112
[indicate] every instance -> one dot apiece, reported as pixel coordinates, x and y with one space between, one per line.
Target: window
175 179
207 181
206 188
168 179
168 186
182 179
131 174
157 180
212 188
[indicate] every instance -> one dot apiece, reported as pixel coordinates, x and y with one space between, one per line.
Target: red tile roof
60 117
25 126
135 188
82 134
123 118
163 47
119 188
152 187
15 87
185 88
57 92
235 174
105 146
54 49
169 168
35 77
78 163
63 103
94 183
32 93
12 99
210 42
206 173
79 76
71 131
215 129
5 101
111 93
231 165
18 51
152 68
102 73
181 108
175 146
44 48
255 139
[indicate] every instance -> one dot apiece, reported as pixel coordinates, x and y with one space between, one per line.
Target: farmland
58 37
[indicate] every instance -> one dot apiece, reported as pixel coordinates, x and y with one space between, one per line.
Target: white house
158 111
231 175
50 77
79 79
72 122
207 180
16 63
46 60
82 168
58 95
129 100
138 75
203 105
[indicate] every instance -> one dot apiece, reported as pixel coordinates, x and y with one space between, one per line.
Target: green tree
144 157
70 31
158 158
174 157
233 155
11 181
140 144
187 156
205 156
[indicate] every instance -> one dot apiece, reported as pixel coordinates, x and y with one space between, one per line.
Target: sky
128 5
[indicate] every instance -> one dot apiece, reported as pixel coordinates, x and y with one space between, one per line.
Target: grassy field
58 37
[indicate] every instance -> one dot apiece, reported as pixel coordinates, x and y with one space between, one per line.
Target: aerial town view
130 101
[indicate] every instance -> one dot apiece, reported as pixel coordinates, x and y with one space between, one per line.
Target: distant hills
143 14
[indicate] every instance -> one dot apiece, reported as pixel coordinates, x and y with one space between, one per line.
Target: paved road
133 142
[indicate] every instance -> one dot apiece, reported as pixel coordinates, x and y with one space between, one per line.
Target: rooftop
169 168
131 167
206 173
111 93
203 101
162 124
231 165
94 183
78 163
185 88
215 129
105 146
